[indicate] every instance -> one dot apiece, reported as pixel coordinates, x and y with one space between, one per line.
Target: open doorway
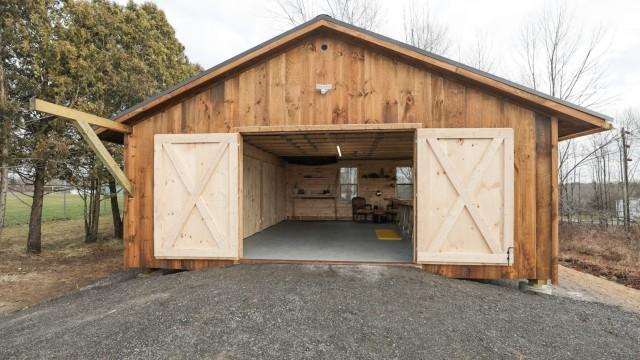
329 196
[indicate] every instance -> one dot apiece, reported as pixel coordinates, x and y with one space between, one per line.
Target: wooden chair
360 208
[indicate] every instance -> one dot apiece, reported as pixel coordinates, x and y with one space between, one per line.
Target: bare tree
363 13
603 203
91 198
423 31
480 56
296 12
629 131
562 59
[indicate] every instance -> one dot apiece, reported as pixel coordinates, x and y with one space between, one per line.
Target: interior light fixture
339 151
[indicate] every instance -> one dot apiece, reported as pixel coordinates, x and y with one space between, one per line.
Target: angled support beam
81 122
103 154
71 114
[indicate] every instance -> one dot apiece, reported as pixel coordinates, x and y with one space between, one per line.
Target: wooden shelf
319 196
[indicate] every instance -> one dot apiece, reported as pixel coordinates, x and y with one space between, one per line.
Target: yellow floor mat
387 234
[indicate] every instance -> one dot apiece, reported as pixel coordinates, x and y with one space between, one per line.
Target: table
317 196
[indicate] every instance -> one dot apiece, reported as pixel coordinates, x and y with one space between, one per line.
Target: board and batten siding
369 87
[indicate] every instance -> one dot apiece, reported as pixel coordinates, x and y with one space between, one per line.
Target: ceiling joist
353 145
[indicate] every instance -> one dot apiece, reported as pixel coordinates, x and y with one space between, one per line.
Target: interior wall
263 190
373 176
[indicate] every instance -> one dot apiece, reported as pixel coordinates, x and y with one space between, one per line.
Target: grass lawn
66 262
57 206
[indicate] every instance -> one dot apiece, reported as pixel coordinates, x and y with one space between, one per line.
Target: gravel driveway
288 311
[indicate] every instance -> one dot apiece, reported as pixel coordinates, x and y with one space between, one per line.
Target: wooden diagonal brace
71 114
81 122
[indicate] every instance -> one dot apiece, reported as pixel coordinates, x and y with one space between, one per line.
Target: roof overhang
574 120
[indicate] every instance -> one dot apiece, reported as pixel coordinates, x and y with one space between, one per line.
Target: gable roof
592 121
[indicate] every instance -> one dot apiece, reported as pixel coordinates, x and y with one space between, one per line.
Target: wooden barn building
333 144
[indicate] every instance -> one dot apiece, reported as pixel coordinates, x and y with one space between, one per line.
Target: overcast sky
213 31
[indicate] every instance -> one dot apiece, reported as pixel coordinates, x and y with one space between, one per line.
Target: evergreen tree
95 56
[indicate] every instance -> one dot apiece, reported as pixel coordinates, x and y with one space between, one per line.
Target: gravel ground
288 311
586 287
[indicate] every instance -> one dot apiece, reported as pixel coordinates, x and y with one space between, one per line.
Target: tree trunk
35 220
4 186
5 129
115 209
93 213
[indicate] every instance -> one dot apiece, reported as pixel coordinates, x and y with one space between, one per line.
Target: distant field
57 206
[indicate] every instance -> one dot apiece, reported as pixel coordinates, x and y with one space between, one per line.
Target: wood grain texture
470 221
505 114
334 62
72 114
333 128
369 88
543 198
139 209
103 154
264 190
353 145
555 202
195 196
82 122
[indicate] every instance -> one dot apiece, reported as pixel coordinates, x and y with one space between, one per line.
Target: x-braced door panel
465 188
196 196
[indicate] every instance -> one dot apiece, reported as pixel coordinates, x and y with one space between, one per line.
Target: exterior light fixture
323 88
339 151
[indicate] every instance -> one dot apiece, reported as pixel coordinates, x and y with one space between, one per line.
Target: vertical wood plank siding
543 198
368 87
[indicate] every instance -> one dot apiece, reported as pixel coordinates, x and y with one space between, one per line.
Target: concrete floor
326 241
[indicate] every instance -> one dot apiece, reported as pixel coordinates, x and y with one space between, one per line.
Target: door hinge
509 251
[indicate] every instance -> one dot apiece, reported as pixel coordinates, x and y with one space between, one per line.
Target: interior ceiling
353 145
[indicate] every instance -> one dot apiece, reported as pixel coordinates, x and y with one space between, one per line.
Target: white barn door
465 185
196 196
